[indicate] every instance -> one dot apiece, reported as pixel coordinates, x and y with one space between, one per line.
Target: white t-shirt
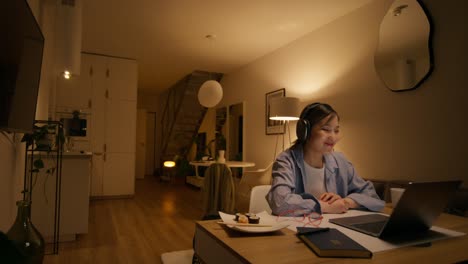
314 182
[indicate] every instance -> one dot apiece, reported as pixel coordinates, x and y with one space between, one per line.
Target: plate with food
252 223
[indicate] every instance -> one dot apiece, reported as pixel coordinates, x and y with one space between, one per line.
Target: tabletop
231 164
284 247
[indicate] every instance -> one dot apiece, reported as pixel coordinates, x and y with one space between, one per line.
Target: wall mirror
230 123
403 58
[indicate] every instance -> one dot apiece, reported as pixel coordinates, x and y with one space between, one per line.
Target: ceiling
168 37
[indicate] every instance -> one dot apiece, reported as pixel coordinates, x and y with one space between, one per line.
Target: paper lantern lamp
210 93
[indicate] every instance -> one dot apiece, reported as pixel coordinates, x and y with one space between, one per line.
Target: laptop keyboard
374 227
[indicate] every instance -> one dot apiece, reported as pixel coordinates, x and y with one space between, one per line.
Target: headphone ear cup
302 130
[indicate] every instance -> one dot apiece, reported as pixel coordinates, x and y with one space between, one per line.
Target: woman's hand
329 197
337 207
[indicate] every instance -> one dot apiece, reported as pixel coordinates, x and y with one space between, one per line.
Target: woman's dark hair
310 116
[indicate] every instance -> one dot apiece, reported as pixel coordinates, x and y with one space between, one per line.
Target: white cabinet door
119 174
113 125
97 174
99 84
96 129
121 126
74 201
122 79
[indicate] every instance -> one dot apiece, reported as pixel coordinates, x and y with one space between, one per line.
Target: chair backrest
258 201
257 177
218 190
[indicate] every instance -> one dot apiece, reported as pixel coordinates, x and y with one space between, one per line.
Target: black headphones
303 125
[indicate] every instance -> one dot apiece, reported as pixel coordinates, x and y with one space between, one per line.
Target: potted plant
45 137
24 236
42 139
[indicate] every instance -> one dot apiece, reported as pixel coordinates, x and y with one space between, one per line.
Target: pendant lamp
68 37
210 93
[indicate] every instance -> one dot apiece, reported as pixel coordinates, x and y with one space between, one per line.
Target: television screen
21 51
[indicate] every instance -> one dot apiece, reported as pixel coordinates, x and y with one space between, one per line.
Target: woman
311 177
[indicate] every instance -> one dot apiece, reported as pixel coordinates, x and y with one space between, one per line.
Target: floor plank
160 218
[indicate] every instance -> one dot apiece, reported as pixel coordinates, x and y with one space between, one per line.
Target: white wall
414 135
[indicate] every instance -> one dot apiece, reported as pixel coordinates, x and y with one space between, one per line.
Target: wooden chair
249 180
218 190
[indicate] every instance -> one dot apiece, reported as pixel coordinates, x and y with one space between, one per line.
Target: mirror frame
429 46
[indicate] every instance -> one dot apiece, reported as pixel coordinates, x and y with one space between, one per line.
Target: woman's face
324 135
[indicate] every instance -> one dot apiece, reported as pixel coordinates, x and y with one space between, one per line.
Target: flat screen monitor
21 49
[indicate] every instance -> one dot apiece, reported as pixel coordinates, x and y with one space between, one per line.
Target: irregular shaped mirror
230 127
236 131
403 59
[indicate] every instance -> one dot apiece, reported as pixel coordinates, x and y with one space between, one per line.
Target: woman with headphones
311 177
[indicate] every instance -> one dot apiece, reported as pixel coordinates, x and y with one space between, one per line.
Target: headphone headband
307 109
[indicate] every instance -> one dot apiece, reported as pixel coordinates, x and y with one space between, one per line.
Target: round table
231 164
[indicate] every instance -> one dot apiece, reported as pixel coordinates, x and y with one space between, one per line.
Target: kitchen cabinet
74 198
113 83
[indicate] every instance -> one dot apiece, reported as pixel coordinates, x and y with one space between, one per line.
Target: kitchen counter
76 153
65 154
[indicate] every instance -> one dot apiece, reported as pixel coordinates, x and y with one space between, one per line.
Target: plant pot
25 237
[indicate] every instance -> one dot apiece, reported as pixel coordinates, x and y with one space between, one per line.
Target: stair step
182 124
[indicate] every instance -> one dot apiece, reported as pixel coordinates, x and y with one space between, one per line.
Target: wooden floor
160 218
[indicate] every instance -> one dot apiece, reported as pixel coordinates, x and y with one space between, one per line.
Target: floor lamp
284 109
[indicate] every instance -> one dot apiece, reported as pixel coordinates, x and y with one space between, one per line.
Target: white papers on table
373 244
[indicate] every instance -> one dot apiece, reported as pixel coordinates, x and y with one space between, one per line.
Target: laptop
417 209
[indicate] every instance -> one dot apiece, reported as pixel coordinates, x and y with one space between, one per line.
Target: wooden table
215 244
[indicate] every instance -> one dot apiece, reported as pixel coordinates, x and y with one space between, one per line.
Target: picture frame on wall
273 127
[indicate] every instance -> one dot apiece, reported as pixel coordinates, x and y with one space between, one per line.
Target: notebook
417 209
330 242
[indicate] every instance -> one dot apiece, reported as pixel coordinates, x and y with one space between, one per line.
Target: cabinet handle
105 147
90 104
107 73
91 71
107 94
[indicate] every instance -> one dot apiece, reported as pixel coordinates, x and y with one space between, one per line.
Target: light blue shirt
287 191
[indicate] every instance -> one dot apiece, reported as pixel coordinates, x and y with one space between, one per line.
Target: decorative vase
28 241
221 158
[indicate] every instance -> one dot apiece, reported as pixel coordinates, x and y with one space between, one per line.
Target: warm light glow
169 164
284 118
66 75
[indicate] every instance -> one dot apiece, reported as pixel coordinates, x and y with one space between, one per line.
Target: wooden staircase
182 114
